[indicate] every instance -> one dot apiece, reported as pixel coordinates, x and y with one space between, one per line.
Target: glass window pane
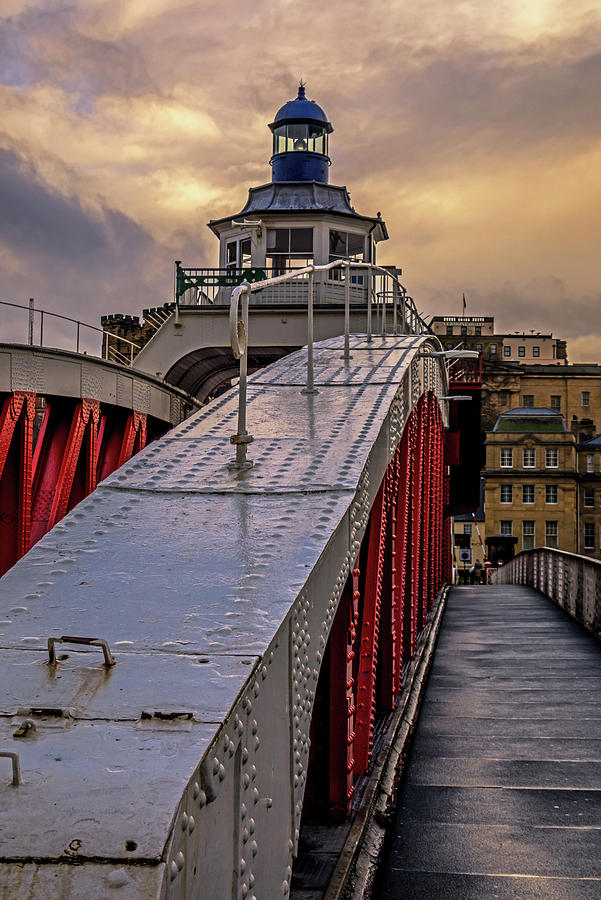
232 256
245 257
356 243
297 137
301 240
338 243
278 239
279 139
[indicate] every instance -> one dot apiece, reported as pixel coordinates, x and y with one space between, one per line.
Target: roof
592 443
302 197
524 418
301 110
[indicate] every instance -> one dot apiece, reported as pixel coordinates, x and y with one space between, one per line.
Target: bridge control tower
298 218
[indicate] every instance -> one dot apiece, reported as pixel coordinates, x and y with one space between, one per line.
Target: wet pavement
502 793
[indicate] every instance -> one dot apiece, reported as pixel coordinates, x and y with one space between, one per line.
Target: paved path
502 796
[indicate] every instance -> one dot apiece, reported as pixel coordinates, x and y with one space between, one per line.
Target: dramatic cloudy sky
473 126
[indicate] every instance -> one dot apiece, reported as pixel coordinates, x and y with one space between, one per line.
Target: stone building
478 333
543 484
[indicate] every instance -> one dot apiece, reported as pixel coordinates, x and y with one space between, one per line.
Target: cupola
300 141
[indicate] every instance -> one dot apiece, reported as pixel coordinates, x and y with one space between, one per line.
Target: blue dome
301 110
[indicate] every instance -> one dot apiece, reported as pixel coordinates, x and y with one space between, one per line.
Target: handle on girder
14 757
109 659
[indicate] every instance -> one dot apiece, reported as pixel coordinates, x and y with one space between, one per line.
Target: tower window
347 245
289 248
300 136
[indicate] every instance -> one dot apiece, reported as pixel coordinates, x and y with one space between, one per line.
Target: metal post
395 303
310 388
176 290
347 311
41 328
242 438
131 354
30 328
77 348
369 304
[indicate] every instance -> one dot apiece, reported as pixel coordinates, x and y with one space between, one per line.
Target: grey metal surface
65 374
215 592
502 796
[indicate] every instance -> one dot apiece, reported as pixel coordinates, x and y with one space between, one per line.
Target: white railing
570 580
110 347
404 312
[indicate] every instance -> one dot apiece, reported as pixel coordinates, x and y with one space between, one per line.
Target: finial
301 90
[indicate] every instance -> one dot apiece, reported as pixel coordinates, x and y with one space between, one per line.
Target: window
529 458
586 398
529 400
503 398
506 527
528 534
493 349
506 350
467 528
506 458
551 459
550 493
521 350
551 534
555 401
590 463
449 329
346 245
589 535
289 248
477 330
479 348
536 351
506 493
464 329
300 136
589 497
527 493
237 253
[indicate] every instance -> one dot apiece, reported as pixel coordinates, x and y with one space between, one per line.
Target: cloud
475 129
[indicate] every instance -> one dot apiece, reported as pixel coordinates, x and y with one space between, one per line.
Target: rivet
202 799
195 790
253 848
184 821
221 773
180 860
244 835
251 826
191 824
244 754
173 870
246 780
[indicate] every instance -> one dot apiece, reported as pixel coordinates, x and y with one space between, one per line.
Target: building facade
478 333
543 485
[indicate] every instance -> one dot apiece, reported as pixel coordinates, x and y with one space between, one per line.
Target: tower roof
301 110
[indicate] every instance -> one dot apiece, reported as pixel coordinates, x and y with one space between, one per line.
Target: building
573 390
543 484
478 333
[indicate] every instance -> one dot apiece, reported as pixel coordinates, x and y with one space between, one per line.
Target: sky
475 127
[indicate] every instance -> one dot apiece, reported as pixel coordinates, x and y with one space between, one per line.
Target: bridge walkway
502 793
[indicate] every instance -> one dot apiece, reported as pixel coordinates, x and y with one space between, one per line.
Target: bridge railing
405 320
109 346
570 580
377 287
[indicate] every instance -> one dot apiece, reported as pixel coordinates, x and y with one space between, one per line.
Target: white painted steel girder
179 772
61 373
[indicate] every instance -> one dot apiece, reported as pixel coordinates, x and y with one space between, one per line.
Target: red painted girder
369 633
16 438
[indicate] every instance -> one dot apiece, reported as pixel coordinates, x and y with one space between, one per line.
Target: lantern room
300 141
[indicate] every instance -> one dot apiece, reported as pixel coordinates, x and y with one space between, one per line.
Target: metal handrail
238 327
107 352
